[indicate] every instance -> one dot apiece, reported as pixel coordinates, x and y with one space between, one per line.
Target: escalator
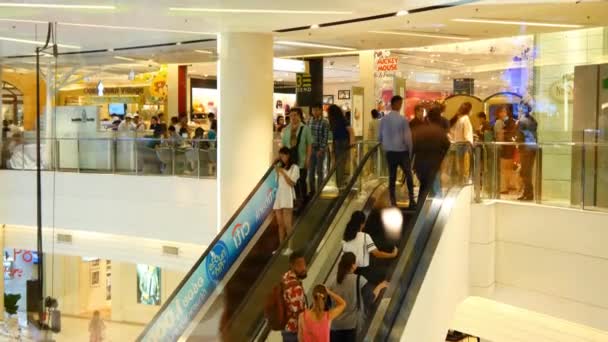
417 241
225 289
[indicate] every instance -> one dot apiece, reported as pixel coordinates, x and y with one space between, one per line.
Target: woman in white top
461 129
288 175
361 244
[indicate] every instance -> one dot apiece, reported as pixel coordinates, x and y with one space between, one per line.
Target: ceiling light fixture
326 54
426 35
254 11
24 21
402 13
304 44
125 58
206 52
133 28
515 22
57 6
314 26
33 42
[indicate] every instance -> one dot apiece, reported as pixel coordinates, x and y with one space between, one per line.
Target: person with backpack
288 174
298 138
361 244
287 300
314 324
359 297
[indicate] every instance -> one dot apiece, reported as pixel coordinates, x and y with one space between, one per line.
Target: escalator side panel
182 308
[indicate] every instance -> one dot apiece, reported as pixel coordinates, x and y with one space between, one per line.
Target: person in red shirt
294 295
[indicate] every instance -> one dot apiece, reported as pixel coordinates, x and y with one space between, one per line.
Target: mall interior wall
544 259
166 208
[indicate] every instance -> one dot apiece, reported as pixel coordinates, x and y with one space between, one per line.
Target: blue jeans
315 172
289 336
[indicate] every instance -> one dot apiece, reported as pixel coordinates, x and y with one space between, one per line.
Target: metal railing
115 155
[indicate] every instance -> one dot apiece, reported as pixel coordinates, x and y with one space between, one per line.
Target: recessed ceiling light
426 35
314 27
125 58
305 44
254 11
133 28
61 6
516 22
33 42
206 52
402 13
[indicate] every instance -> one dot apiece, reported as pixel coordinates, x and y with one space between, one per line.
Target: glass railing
559 174
115 155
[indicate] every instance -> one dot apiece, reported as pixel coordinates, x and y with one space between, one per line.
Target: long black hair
337 120
286 151
354 225
346 264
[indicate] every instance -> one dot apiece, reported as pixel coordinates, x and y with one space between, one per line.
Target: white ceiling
140 14
147 14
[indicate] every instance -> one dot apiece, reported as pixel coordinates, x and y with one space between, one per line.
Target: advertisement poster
148 285
179 311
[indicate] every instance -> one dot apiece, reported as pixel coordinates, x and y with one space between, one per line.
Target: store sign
288 65
385 65
100 90
178 313
304 89
464 86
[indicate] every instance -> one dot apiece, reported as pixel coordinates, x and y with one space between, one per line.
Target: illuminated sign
288 65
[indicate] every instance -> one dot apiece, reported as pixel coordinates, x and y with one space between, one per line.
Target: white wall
164 208
332 89
545 259
71 285
446 283
124 293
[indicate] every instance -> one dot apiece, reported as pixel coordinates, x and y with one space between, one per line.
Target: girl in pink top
314 324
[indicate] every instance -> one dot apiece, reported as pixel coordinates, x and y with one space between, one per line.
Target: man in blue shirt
396 139
319 127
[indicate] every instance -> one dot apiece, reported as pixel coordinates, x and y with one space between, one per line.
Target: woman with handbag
358 295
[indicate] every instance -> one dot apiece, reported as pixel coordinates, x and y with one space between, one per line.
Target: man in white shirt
140 126
127 125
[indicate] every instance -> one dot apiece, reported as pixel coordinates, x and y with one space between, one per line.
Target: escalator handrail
398 311
227 226
263 329
410 263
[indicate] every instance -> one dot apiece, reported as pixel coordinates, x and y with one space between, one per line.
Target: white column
245 84
367 81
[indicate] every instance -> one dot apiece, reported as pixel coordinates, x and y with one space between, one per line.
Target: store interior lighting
134 28
402 13
206 52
